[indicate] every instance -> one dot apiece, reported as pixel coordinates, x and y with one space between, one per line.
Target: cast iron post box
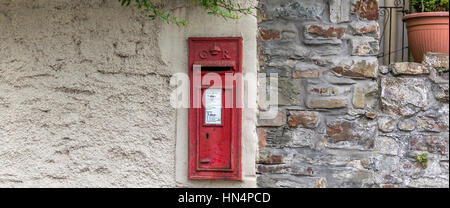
215 113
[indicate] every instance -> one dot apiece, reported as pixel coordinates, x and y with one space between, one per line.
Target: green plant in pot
428 27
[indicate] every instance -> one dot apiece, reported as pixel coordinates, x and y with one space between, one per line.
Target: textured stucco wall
84 94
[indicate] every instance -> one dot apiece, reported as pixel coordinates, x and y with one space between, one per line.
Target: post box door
215 139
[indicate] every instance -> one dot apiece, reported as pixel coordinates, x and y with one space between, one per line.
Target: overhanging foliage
222 8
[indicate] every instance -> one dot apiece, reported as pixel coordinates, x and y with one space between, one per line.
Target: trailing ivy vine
222 8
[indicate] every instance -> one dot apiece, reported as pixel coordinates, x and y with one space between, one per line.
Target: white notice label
213 106
213 98
213 116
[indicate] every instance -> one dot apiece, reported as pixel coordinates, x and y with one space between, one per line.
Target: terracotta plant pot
427 32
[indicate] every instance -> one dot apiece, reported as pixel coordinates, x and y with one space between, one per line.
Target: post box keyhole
207 136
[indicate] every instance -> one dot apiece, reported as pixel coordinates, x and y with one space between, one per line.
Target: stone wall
345 121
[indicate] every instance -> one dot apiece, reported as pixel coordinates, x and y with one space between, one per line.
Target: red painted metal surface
215 148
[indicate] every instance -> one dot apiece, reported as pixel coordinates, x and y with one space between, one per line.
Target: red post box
215 113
